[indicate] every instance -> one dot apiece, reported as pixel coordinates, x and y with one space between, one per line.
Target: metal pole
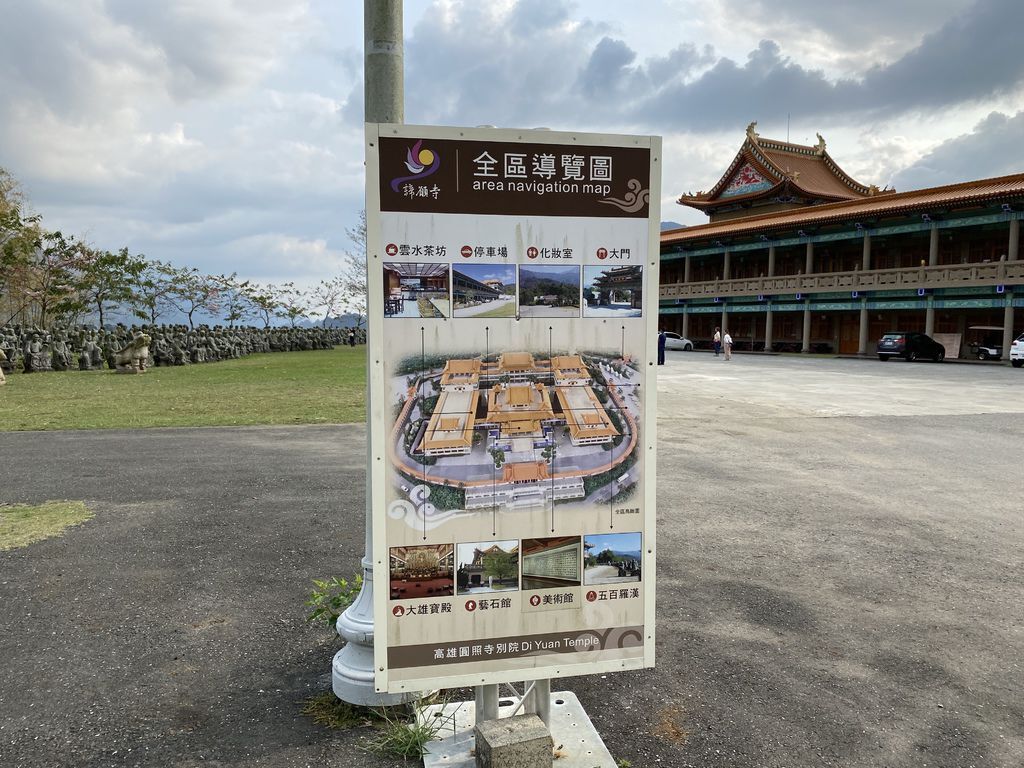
352 668
486 699
542 700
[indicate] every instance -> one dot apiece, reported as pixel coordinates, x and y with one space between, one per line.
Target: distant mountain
671 225
627 555
348 320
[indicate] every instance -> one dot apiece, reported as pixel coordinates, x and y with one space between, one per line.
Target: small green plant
328 710
406 736
623 763
331 597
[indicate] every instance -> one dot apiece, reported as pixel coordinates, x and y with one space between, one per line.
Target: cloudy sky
226 134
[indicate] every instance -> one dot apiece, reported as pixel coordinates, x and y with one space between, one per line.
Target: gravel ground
840 581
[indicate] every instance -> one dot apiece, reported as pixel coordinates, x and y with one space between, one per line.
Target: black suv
910 346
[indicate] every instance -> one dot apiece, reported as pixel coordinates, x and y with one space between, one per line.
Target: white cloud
228 135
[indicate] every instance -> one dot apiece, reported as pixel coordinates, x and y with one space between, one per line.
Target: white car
1017 352
675 341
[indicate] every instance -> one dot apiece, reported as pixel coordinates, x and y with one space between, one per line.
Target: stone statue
3 359
134 356
36 355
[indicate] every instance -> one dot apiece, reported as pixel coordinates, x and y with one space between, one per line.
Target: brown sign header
511 178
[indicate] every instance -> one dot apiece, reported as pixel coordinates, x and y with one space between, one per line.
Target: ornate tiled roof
963 194
767 168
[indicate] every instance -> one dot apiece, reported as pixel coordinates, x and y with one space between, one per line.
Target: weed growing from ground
331 597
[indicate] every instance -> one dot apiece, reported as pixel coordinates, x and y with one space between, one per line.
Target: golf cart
990 347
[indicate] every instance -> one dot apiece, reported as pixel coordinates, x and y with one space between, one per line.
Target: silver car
675 341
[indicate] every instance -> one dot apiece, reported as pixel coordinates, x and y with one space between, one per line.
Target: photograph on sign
484 290
416 290
549 290
512 397
613 291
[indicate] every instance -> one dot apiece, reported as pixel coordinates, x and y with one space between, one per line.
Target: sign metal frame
379 427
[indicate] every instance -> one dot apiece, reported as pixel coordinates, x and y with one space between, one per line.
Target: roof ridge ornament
820 146
751 133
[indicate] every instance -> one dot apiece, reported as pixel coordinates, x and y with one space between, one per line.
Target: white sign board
513 285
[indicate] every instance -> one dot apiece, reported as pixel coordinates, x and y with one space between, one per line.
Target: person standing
661 348
351 338
717 340
727 341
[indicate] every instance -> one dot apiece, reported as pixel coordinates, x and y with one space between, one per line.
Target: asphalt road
840 581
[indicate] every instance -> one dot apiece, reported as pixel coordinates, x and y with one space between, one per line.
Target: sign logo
531 252
535 601
391 249
591 596
420 162
602 253
466 251
471 605
398 610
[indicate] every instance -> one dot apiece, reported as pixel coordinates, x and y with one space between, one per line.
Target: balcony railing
941 276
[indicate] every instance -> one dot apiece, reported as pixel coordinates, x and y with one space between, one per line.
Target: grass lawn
23 524
314 387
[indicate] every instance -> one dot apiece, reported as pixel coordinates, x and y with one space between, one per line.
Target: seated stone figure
61 353
36 355
3 359
134 357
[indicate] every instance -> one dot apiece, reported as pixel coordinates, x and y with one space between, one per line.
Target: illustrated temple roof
769 175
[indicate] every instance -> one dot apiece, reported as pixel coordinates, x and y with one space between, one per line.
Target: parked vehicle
675 341
910 346
991 346
1017 352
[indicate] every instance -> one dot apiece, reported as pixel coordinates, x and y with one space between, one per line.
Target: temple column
768 318
862 337
933 246
1007 325
866 260
686 269
725 266
1012 248
771 261
929 318
806 340
809 261
725 321
685 331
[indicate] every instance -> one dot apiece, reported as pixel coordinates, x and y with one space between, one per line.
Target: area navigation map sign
513 280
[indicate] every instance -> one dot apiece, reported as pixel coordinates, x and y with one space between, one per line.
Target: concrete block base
522 741
577 741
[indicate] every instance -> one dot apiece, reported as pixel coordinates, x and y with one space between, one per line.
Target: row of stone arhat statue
136 348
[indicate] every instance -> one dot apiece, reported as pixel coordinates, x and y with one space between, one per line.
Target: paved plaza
840 581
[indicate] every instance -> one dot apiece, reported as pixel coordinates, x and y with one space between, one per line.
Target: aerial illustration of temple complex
499 422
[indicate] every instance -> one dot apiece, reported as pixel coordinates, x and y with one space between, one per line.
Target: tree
329 294
20 239
152 290
292 304
264 301
50 278
501 565
194 292
106 280
235 300
353 279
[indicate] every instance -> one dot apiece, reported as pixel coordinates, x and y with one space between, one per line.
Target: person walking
717 340
727 342
661 347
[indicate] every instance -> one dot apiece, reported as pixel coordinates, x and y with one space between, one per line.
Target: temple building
798 256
